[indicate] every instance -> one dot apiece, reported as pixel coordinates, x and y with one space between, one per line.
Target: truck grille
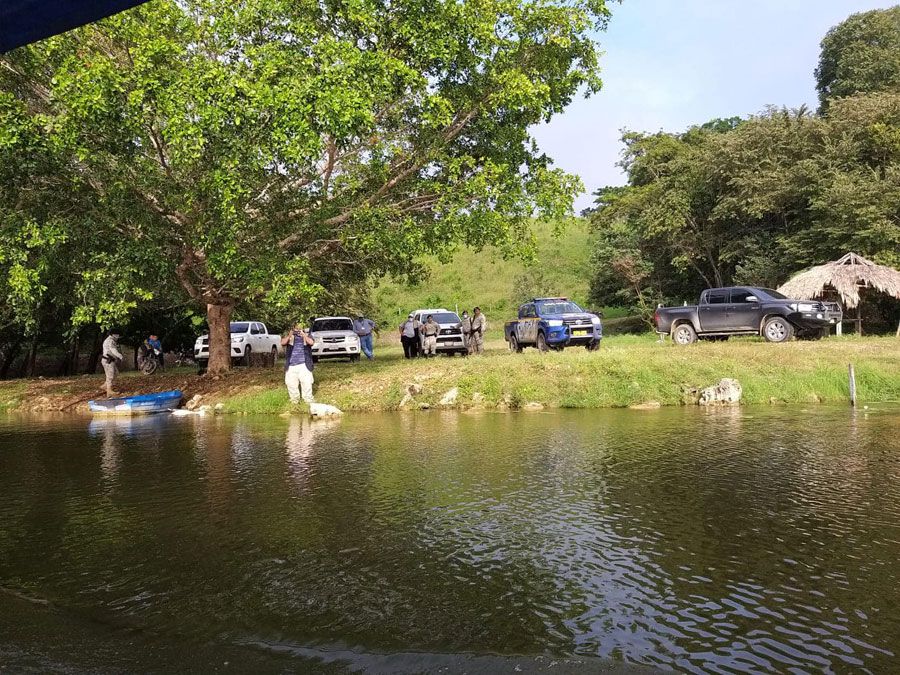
451 331
581 323
332 339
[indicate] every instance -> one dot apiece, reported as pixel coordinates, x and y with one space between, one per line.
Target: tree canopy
860 55
751 201
750 204
278 152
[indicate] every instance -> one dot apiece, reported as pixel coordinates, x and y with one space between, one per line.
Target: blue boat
145 404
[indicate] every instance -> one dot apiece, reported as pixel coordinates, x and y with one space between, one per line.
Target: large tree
859 55
279 150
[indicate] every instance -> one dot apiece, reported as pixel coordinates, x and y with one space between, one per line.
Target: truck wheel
592 346
202 365
274 355
514 345
246 359
684 334
353 359
542 342
777 329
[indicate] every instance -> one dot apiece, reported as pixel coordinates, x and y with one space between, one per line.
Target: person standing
363 327
298 364
110 359
479 325
409 337
466 327
430 330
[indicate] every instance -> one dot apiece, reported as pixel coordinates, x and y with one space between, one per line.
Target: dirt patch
73 394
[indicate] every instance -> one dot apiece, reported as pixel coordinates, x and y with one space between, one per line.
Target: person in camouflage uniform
476 338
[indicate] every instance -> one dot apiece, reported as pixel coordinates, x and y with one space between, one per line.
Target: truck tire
274 355
777 329
542 342
245 361
593 346
684 334
514 345
353 359
202 365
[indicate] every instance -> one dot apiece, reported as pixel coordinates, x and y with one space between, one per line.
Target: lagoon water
568 541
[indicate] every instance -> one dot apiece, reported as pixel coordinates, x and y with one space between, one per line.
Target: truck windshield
332 324
240 327
445 317
557 307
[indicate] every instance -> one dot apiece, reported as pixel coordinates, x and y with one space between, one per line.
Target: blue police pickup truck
553 323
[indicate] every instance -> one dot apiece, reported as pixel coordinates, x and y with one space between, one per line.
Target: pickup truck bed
744 310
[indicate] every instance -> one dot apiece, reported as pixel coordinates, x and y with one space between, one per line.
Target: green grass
497 285
628 370
12 393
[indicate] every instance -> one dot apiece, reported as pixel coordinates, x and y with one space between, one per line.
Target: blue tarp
26 21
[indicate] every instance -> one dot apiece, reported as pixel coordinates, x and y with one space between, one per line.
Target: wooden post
852 386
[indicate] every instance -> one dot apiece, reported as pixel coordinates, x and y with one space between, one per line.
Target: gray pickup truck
747 310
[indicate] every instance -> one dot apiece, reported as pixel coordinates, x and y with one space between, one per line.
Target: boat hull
146 404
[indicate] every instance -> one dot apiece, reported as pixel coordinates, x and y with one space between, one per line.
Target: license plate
579 332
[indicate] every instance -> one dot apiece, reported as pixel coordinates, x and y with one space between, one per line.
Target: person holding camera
298 364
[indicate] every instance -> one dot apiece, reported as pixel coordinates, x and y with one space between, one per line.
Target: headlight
803 307
239 339
595 320
554 322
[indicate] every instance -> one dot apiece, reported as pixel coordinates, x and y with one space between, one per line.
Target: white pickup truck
247 337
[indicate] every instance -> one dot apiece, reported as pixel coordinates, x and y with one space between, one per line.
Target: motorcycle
151 361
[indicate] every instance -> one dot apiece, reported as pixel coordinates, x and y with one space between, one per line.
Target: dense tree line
755 200
278 154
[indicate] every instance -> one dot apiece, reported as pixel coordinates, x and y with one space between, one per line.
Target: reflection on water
729 540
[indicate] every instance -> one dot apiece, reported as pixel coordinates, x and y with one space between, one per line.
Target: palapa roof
846 276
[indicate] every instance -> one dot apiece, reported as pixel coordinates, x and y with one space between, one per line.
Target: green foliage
861 54
750 204
559 264
282 151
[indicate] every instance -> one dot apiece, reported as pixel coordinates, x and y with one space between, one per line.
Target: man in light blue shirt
363 327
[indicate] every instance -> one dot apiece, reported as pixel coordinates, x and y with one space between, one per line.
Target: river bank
627 371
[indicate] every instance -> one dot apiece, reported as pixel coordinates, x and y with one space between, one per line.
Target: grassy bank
628 370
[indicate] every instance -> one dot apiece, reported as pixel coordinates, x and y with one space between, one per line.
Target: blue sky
672 63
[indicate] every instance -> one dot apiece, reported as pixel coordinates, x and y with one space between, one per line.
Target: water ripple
722 541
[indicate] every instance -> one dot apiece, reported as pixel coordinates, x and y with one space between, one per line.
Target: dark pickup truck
746 310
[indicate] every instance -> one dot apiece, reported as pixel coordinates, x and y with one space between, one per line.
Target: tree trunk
219 319
30 361
94 358
10 356
69 363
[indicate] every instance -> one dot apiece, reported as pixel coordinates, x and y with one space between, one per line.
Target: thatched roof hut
847 277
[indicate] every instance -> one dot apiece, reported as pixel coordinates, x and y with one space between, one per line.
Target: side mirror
751 298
